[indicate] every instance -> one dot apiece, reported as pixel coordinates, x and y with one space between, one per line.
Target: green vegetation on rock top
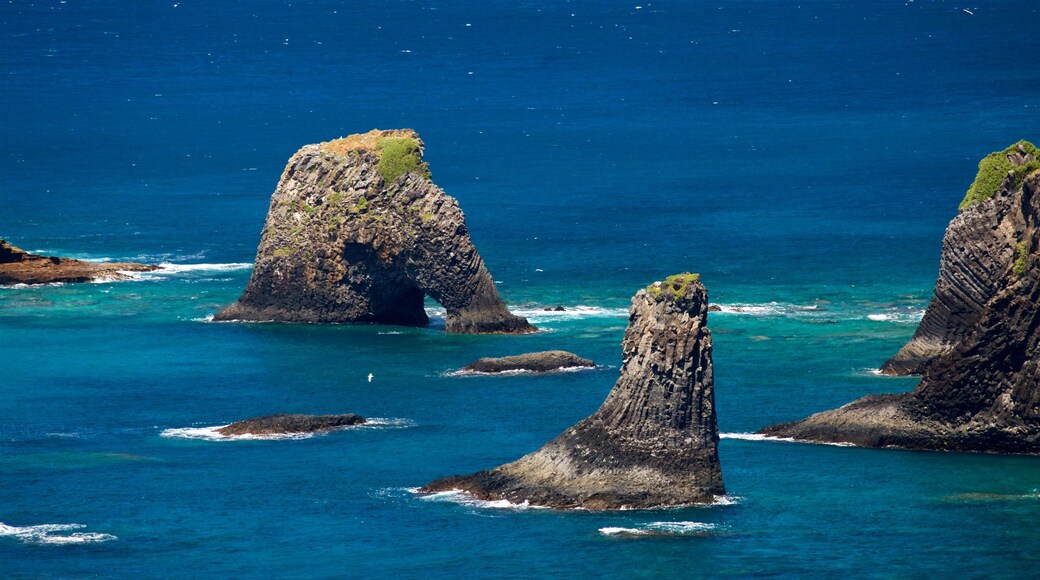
676 285
398 156
994 168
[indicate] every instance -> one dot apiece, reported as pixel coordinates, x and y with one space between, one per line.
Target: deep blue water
803 157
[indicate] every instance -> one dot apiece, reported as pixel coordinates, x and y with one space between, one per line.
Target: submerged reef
653 442
20 267
358 232
978 344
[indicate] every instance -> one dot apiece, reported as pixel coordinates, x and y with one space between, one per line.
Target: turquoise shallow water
804 159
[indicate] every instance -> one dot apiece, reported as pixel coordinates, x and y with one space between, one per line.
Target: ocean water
804 157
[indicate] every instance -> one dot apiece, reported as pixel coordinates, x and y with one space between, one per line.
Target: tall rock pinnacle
653 442
980 351
357 232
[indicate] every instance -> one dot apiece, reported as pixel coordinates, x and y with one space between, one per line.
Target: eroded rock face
347 240
653 442
978 248
20 267
539 362
982 393
288 424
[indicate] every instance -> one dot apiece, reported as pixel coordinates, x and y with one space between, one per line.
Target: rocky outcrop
979 246
357 232
539 362
288 424
20 267
982 393
653 442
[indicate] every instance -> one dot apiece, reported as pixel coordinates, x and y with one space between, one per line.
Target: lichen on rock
357 232
653 442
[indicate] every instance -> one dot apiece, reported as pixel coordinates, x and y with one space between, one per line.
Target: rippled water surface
804 158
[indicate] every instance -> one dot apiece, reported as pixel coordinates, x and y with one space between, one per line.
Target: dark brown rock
288 424
20 267
977 250
343 245
540 362
982 393
653 442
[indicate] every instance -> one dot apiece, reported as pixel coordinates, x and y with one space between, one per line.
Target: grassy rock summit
20 267
653 442
978 344
980 245
357 232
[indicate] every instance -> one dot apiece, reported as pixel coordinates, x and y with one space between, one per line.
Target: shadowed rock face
20 267
342 244
982 393
978 248
653 442
285 424
541 362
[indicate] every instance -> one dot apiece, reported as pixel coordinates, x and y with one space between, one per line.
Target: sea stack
981 350
20 267
358 232
653 442
536 362
979 246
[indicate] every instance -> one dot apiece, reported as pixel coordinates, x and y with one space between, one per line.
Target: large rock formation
982 392
289 424
979 246
538 362
20 267
653 442
357 232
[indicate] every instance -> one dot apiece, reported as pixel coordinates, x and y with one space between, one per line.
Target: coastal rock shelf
357 232
980 350
289 424
538 362
653 442
20 267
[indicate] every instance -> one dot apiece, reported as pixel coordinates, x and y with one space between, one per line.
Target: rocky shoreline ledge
653 442
20 267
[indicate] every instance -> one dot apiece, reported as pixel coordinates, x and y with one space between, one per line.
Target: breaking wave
761 437
47 534
662 529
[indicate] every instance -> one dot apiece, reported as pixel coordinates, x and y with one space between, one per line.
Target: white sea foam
761 437
768 309
45 534
518 372
536 314
464 498
661 529
212 433
170 269
905 317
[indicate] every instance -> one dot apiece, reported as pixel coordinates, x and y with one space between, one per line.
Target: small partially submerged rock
539 362
285 424
20 267
653 442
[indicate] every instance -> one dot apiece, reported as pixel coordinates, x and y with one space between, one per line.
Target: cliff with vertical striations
981 350
653 442
357 232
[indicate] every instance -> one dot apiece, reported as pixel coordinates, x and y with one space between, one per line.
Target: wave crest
45 534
